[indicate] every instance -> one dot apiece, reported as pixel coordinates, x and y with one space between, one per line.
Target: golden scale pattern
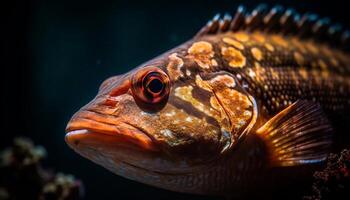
277 70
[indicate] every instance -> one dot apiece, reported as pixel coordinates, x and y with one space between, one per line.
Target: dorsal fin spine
238 19
279 20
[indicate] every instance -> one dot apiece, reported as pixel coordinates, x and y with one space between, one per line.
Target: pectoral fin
299 134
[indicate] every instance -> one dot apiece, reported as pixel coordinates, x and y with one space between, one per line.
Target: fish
249 93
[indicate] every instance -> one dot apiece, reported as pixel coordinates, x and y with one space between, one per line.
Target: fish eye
154 84
150 88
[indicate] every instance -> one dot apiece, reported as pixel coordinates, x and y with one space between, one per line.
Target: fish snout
94 130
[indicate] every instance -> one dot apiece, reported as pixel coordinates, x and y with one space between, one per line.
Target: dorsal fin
279 20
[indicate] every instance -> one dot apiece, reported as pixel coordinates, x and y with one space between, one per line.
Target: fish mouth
93 133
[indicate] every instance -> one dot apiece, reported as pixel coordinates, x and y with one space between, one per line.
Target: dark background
56 53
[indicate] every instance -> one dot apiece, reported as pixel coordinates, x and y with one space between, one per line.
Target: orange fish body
245 95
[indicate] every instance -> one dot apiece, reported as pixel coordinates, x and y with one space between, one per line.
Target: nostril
110 101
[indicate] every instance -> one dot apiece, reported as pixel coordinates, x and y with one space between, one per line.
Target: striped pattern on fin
299 134
280 20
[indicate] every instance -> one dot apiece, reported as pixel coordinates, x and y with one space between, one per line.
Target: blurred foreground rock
22 176
334 181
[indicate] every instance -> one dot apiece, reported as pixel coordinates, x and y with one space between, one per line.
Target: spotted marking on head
247 113
257 54
202 53
279 40
174 66
241 36
299 58
167 133
202 84
233 42
214 63
234 57
223 79
269 47
170 114
189 119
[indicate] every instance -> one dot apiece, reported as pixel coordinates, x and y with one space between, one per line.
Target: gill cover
238 109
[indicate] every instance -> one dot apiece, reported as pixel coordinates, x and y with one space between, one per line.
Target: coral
334 181
23 177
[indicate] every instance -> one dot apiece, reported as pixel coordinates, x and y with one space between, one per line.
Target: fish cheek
186 136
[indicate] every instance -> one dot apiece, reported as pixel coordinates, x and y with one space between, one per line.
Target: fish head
161 118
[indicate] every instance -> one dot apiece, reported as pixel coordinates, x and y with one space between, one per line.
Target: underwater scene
200 100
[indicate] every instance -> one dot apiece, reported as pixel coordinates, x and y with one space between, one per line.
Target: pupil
155 86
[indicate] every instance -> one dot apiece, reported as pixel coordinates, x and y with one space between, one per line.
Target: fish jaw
81 131
111 144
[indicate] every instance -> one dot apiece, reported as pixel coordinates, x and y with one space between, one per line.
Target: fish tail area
300 134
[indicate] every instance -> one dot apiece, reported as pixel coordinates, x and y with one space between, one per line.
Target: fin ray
299 134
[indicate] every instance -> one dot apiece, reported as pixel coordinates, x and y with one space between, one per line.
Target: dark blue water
56 54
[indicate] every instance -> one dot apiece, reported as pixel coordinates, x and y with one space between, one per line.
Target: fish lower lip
71 136
80 133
